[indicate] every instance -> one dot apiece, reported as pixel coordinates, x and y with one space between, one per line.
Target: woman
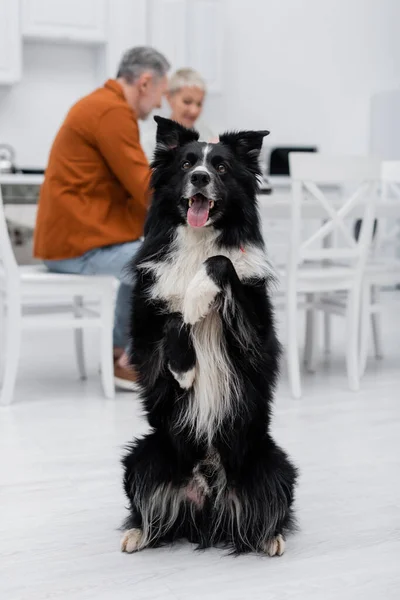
185 94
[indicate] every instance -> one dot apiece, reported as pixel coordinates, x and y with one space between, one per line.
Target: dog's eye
221 168
186 165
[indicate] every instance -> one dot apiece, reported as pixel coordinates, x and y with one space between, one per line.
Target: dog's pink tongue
197 214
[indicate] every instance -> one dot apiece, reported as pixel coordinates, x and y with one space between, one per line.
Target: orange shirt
96 185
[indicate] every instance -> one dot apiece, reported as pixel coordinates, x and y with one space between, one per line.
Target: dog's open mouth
198 210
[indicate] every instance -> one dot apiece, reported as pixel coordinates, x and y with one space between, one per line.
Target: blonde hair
186 78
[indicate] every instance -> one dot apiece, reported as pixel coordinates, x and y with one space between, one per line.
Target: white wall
306 69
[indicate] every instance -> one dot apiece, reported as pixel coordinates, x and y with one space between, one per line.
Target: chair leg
312 362
312 340
78 337
308 329
106 358
2 334
376 322
353 329
364 329
327 333
292 346
13 328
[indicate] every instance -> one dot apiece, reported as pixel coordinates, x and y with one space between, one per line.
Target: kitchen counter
20 192
20 179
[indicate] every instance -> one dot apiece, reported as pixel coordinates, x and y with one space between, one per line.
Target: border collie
206 352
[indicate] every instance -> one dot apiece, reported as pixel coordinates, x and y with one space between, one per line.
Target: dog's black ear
171 134
246 144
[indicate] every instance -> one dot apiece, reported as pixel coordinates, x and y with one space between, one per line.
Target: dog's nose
200 178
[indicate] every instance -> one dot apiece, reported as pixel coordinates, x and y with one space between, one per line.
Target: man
94 198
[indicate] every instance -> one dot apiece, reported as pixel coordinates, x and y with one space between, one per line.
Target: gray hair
186 78
141 59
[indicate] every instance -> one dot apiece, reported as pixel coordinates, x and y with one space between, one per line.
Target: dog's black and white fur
205 349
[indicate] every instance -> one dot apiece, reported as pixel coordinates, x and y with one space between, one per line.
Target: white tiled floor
61 500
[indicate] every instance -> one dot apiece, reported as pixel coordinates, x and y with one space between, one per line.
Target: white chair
33 298
383 268
329 259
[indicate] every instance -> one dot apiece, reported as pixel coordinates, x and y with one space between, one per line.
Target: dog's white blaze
203 167
206 150
215 386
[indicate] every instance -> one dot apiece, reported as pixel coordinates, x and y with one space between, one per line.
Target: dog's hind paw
199 297
275 546
132 540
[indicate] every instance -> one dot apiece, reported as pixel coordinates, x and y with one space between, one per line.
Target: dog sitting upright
206 352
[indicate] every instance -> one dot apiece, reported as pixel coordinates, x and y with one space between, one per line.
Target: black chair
279 159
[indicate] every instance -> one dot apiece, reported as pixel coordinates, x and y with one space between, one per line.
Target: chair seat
383 271
314 277
40 274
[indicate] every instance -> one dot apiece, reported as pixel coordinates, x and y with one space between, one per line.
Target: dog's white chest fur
215 388
190 249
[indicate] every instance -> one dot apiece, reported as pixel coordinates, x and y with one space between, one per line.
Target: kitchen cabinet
10 42
77 21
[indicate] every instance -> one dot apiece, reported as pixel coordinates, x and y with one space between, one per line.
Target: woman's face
186 105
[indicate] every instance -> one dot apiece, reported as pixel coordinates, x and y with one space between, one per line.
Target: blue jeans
109 260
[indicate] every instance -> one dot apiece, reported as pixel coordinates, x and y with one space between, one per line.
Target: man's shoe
125 378
117 352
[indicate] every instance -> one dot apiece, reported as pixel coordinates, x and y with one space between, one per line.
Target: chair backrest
8 263
387 240
343 188
391 173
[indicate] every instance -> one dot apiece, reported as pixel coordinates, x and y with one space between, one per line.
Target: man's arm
118 141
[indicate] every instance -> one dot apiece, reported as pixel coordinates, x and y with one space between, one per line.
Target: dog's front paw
132 540
200 296
220 268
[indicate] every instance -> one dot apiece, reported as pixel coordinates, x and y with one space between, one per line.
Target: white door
197 38
10 42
